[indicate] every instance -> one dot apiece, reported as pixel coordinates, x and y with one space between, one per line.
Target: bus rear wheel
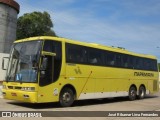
142 92
66 97
132 93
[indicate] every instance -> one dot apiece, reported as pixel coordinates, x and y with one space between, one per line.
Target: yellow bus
52 69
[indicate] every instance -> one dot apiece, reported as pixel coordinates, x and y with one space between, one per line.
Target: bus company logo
143 74
21 114
6 114
78 71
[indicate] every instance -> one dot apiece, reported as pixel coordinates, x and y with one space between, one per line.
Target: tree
34 24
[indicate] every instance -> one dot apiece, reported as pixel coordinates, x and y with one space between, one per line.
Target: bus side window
75 54
125 61
130 62
154 66
94 60
118 60
110 59
95 56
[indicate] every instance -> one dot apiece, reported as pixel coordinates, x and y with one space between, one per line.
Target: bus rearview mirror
48 53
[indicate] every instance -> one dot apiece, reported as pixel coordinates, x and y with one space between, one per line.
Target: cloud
141 7
125 26
141 38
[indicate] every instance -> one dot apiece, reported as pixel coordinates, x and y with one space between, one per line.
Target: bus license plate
14 94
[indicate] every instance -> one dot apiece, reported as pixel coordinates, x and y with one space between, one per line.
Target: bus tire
142 92
66 97
132 93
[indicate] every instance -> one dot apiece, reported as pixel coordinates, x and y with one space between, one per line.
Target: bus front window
23 64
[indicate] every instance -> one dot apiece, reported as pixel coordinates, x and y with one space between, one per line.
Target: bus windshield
23 63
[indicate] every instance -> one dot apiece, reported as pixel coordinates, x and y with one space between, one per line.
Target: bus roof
93 45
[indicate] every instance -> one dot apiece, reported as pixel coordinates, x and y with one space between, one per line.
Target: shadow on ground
76 103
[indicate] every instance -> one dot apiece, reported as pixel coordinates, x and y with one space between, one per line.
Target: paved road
150 103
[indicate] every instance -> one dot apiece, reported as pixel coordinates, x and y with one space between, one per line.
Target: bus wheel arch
132 92
67 95
141 91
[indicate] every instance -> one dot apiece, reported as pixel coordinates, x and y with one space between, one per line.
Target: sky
131 24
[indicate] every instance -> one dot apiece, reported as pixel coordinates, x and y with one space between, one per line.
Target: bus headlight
28 88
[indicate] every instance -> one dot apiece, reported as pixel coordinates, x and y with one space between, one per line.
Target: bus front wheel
132 93
66 97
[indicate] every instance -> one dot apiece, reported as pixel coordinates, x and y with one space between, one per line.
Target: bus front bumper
18 95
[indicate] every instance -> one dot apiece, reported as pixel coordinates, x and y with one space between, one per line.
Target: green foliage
159 66
34 24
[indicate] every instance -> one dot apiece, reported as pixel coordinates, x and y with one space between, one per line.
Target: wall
2 72
8 25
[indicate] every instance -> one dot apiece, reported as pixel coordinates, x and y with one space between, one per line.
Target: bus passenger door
46 70
49 71
46 77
